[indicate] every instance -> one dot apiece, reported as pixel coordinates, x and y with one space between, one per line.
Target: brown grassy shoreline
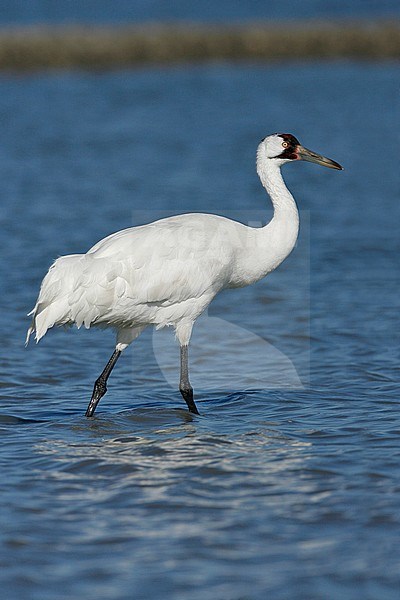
116 47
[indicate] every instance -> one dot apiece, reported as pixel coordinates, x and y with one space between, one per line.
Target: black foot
187 394
99 390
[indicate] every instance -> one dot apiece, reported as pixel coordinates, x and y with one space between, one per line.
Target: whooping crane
167 272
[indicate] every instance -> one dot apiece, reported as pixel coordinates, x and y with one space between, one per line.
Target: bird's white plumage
167 272
164 273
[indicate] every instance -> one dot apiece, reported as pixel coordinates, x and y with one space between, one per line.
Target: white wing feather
157 274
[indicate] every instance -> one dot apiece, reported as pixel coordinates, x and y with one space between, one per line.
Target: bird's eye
285 144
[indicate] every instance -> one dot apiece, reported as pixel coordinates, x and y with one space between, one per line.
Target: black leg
100 386
184 385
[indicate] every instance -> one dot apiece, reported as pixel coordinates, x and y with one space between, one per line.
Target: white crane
167 272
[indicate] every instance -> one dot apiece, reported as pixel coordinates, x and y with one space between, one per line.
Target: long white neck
266 247
278 237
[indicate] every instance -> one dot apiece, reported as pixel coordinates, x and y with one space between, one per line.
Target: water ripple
281 488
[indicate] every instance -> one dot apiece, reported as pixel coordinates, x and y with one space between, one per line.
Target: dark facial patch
288 137
289 153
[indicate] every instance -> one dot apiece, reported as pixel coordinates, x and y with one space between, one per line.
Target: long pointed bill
313 157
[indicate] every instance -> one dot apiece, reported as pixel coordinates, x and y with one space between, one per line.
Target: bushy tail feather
77 289
52 305
32 325
28 334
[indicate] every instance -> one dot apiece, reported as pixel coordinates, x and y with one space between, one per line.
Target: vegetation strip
113 47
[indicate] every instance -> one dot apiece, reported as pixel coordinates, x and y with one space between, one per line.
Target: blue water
288 485
17 12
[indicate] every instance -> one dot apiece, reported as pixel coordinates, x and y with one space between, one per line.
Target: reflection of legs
100 386
184 385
